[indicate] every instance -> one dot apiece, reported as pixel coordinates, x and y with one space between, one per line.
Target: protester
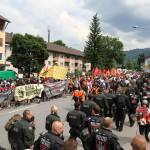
51 140
70 144
24 131
76 119
139 143
104 138
51 118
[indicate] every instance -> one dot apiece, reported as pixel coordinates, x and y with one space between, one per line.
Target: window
61 64
49 53
76 64
55 54
61 56
87 66
72 65
67 64
0 56
49 63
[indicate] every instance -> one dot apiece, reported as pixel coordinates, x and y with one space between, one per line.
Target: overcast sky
69 20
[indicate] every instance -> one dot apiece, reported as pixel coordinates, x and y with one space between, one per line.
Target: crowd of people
97 102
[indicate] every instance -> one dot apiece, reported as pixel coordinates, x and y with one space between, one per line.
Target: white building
66 57
145 66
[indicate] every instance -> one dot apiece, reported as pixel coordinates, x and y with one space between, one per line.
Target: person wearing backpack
134 100
9 127
75 96
143 119
122 101
82 95
101 100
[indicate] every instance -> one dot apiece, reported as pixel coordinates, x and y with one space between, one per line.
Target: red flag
93 72
47 68
111 71
96 71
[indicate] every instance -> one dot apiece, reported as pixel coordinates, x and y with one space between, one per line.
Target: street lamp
140 27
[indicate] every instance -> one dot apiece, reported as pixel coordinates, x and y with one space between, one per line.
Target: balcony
76 61
55 58
67 59
76 68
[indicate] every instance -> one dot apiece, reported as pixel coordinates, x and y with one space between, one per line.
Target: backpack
76 95
142 115
10 123
94 91
121 102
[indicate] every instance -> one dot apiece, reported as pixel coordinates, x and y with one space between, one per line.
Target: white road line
19 110
22 109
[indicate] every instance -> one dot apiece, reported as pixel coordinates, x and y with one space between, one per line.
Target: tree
141 59
28 53
92 52
102 51
59 42
129 64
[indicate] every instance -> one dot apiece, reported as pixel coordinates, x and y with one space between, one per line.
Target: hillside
133 54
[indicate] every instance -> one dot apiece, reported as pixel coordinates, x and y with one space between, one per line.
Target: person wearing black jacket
122 101
104 138
51 118
101 100
76 119
24 131
50 140
95 121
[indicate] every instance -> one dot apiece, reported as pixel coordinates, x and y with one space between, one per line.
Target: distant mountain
133 54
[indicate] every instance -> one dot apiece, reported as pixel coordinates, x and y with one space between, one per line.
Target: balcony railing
76 61
67 59
55 58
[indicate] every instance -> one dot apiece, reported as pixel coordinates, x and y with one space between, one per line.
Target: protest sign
6 94
28 91
55 88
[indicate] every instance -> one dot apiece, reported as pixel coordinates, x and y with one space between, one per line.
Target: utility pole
48 29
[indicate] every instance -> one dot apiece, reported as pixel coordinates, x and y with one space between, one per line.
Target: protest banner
57 72
28 91
6 94
55 88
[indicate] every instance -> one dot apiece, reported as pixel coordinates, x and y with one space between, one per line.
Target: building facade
66 57
3 24
145 66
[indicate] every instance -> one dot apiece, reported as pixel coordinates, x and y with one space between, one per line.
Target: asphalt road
40 111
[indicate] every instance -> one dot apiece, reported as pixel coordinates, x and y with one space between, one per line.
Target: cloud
69 20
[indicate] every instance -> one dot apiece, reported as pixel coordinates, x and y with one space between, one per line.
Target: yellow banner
146 66
43 73
57 72
28 91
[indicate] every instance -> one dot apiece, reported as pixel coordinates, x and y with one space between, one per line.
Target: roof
63 49
147 57
2 18
51 47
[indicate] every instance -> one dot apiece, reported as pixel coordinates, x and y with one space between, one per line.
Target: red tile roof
51 47
63 49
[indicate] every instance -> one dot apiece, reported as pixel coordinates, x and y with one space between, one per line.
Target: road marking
19 109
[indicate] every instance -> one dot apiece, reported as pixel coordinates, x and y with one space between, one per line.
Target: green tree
28 53
141 59
102 51
59 42
92 52
129 64
112 50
